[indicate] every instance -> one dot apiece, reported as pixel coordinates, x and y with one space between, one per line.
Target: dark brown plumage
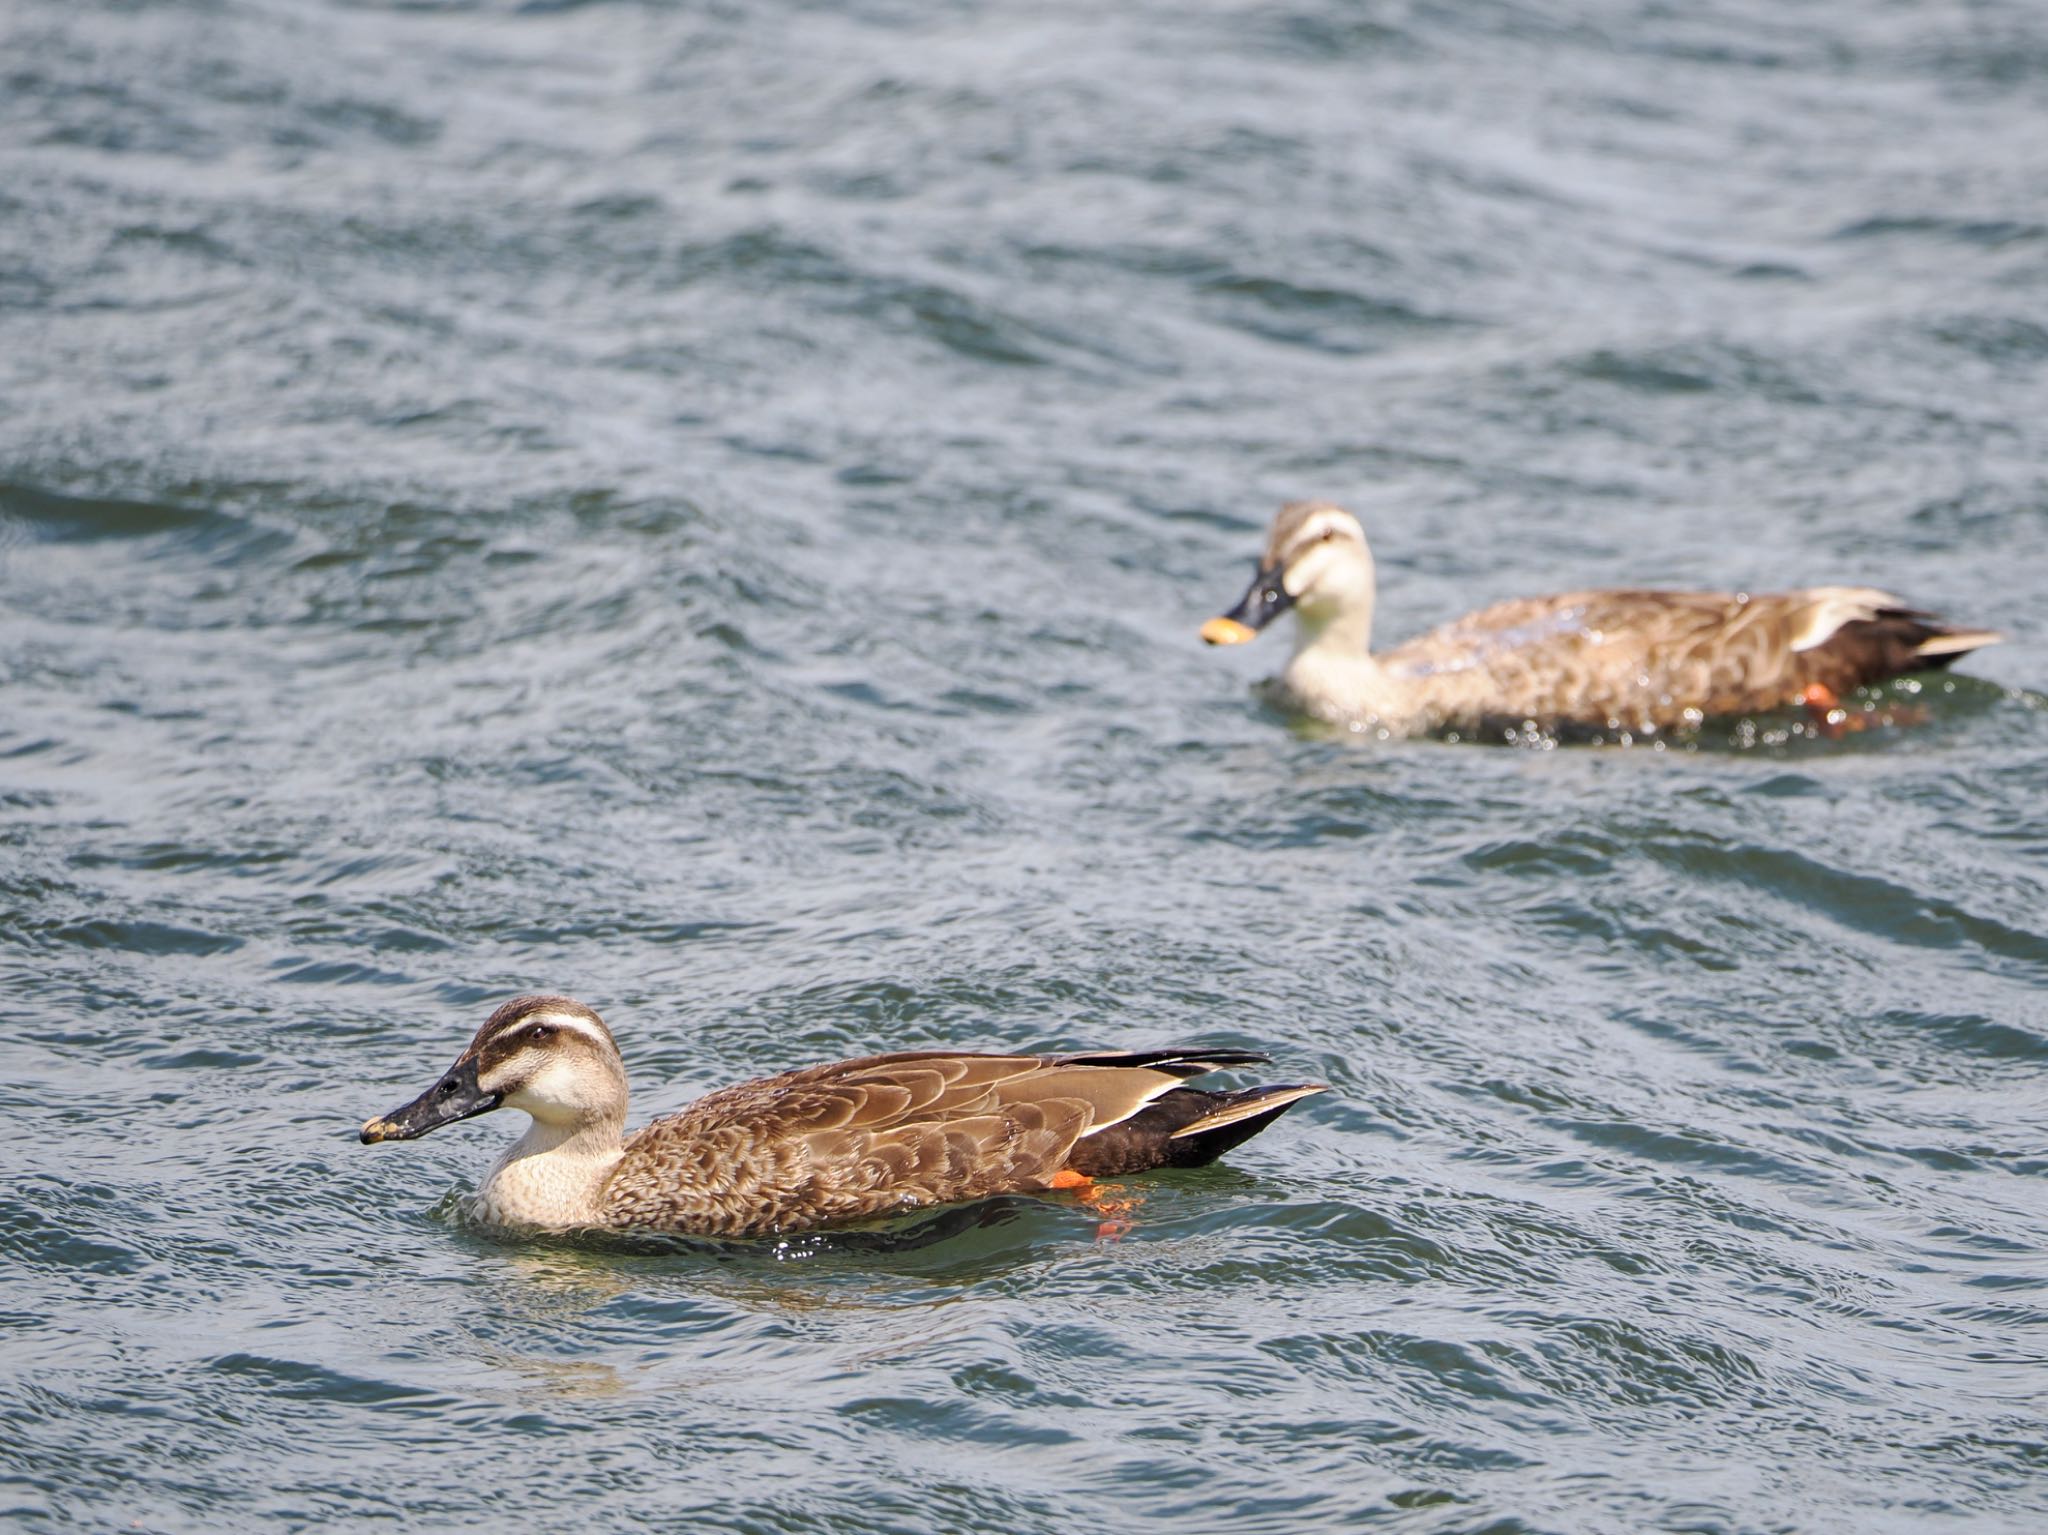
822 1144
1608 662
1631 659
892 1132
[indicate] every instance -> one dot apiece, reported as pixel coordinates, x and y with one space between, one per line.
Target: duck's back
845 1140
890 1132
1636 659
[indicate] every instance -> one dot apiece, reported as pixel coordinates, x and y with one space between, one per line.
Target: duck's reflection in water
728 1304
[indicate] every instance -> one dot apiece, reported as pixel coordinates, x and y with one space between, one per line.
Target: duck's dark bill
455 1096
1265 601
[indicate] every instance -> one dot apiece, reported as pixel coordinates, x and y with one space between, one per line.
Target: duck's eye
543 1031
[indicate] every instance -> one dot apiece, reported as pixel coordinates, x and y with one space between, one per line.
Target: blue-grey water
707 508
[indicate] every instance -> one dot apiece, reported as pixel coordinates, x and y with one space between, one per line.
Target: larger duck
1606 663
823 1144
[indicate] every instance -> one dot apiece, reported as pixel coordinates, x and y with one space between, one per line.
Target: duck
822 1145
1604 665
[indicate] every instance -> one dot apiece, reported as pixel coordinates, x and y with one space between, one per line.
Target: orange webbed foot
1108 1200
1115 1206
1824 708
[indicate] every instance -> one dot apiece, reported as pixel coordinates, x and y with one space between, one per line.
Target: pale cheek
1333 580
1326 571
1311 580
540 1104
542 1095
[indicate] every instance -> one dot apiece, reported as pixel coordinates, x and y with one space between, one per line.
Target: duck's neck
1333 675
552 1174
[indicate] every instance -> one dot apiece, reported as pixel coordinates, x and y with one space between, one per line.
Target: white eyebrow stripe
569 1022
1329 520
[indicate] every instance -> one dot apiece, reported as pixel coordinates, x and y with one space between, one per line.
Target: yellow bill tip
374 1131
1227 631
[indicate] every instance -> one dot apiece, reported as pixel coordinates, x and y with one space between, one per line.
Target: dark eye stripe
507 1043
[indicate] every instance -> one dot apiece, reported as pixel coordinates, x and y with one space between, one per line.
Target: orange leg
1830 719
1824 708
1115 1212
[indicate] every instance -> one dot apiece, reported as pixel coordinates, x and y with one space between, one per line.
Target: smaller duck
824 1144
1605 664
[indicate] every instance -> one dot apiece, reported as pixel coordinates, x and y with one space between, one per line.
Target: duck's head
551 1056
1316 563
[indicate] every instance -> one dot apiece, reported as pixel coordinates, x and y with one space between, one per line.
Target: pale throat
552 1174
1332 673
1338 628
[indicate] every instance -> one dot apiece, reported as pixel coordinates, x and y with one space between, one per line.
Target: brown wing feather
1110 1093
1633 659
868 1136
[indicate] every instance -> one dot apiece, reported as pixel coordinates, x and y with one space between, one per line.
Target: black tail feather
1202 1147
1184 1061
1158 1134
